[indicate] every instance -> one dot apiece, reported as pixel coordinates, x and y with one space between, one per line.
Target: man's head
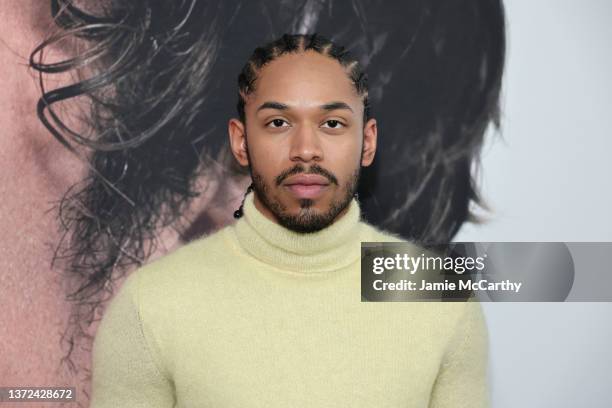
304 130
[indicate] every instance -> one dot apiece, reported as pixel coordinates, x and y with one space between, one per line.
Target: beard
308 220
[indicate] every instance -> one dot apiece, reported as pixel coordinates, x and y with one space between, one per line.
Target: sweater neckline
332 248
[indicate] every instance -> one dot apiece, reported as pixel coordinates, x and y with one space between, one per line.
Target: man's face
304 140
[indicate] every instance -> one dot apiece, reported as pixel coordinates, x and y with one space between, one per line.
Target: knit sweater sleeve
126 372
462 378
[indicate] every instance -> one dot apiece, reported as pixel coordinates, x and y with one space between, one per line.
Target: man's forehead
305 79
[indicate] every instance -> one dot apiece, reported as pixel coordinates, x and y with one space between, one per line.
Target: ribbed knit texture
259 316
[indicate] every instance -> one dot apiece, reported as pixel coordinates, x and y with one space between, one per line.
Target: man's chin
307 217
307 203
304 225
307 207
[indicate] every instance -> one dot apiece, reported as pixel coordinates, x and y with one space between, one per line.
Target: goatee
308 220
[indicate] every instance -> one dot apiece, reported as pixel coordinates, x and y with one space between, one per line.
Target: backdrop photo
492 126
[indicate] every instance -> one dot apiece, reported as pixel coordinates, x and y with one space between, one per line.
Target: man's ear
370 134
238 143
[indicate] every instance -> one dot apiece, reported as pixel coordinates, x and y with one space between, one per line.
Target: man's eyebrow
273 105
281 106
336 105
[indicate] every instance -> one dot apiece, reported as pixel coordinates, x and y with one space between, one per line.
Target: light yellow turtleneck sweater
256 315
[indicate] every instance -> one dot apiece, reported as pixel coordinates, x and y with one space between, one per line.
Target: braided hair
296 43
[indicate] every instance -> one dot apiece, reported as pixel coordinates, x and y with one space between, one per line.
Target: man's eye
277 123
333 124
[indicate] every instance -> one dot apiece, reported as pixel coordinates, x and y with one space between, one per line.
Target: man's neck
322 251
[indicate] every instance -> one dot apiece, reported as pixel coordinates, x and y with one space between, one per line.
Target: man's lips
306 185
306 180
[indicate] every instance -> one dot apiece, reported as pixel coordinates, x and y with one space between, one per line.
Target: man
267 312
75 227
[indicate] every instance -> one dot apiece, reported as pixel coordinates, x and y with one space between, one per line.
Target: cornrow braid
296 43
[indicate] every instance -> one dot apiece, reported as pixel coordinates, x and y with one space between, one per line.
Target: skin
288 123
35 171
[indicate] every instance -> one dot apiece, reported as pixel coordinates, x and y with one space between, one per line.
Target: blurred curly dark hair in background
153 75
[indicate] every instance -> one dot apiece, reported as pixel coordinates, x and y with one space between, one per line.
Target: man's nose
306 144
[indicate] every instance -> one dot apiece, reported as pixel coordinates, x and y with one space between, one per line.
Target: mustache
314 169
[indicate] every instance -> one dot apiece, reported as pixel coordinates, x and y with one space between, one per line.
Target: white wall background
549 178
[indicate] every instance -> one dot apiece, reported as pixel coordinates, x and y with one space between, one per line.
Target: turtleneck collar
330 249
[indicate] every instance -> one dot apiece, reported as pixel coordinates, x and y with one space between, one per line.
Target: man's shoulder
191 261
164 288
450 312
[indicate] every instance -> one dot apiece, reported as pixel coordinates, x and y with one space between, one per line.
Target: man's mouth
306 186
